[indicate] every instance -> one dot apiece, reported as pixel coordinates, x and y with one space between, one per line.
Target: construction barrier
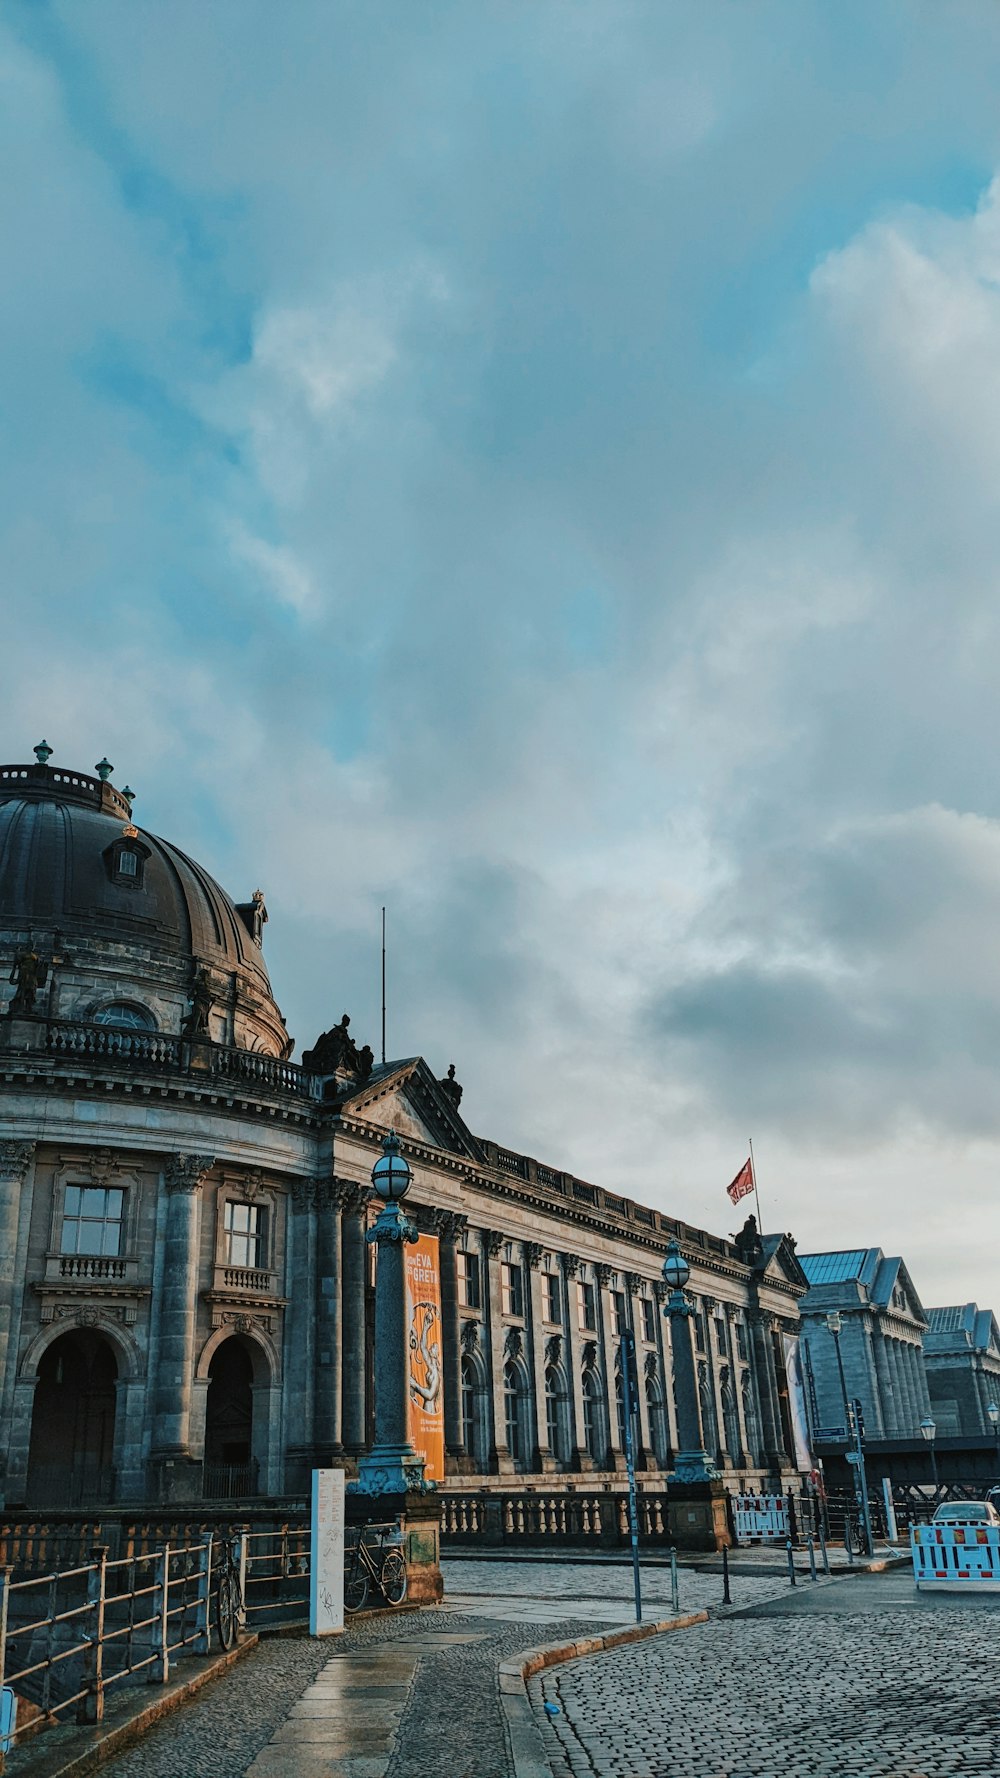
758 1517
956 1556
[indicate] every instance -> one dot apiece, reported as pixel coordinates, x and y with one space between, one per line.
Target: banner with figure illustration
423 1307
797 1402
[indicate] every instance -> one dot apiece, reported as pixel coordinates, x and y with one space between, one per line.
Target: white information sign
326 1554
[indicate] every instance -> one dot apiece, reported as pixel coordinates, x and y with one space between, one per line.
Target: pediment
782 1263
407 1097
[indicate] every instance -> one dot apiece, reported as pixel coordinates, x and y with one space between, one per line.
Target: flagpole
756 1193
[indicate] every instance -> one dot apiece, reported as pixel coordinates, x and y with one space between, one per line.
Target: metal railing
67 1636
274 1569
230 1481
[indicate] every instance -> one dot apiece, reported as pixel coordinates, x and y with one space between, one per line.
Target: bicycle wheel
393 1577
226 1610
355 1588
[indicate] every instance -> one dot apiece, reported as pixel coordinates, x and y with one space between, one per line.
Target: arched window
750 1420
593 1418
557 1413
659 1430
730 1417
515 1402
127 1015
474 1435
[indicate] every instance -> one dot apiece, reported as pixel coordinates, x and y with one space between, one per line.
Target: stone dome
135 916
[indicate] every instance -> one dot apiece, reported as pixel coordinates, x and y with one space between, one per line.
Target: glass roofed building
876 1354
962 1356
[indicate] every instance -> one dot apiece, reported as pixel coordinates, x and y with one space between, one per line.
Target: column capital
634 1283
533 1251
661 1290
494 1241
358 1199
605 1273
570 1263
187 1172
448 1225
15 1159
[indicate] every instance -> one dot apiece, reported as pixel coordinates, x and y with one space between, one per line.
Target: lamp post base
391 1469
692 1466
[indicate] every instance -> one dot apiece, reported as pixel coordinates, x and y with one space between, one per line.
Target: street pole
859 1462
630 1407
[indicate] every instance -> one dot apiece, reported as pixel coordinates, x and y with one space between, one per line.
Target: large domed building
185 1284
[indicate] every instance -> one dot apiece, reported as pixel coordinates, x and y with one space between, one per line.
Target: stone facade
186 1290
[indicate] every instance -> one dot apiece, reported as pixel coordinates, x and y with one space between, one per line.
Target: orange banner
423 1291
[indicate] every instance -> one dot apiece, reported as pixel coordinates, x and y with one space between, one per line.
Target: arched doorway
231 1470
71 1453
474 1428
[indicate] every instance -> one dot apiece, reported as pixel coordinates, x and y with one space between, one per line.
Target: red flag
742 1184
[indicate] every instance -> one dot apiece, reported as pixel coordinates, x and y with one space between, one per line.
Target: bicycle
229 1595
384 1566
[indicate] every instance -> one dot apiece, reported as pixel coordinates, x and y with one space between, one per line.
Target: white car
966 1512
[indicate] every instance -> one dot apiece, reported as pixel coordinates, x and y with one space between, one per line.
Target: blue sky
537 466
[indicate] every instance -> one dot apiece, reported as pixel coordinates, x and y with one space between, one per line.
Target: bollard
726 1600
791 1562
824 1552
675 1603
811 1545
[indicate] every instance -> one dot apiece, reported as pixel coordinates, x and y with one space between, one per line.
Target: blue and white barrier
956 1556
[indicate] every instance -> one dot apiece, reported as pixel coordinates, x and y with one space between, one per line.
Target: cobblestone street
858 1679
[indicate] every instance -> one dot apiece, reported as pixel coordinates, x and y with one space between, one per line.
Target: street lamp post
692 1462
392 1466
853 1431
928 1432
994 1416
834 1322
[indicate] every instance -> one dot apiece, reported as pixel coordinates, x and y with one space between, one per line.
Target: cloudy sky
537 465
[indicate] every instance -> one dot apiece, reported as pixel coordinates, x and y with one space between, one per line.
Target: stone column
331 1195
15 1159
355 1355
299 1340
920 1393
581 1458
643 1457
767 1388
887 1393
708 1306
736 1385
503 1463
533 1257
184 1176
909 1420
609 1352
449 1227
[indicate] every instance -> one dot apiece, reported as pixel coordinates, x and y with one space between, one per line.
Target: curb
523 1733
91 1747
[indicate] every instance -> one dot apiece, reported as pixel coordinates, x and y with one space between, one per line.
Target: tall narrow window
512 1290
245 1236
550 1296
649 1321
468 1280
618 1320
92 1220
586 1306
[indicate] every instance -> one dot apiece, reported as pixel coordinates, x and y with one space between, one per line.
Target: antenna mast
383 987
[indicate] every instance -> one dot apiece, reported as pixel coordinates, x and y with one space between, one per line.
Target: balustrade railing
540 1518
159 1051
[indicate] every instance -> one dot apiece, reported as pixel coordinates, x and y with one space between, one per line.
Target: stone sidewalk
879 1682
